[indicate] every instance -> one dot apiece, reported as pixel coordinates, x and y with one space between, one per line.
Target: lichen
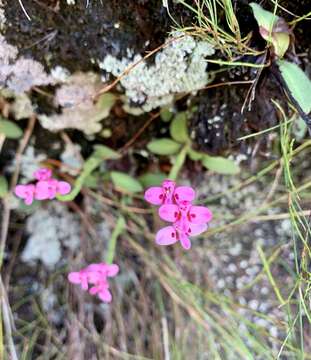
30 162
49 230
180 67
79 109
2 17
20 74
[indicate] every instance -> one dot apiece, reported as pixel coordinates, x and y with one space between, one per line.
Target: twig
139 132
7 321
2 139
6 205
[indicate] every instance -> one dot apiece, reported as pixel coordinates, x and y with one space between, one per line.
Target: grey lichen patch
30 162
51 229
22 107
2 16
180 67
20 74
79 109
25 74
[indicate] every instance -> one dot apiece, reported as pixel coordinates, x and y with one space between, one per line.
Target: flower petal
166 236
43 174
94 290
84 283
29 199
112 270
196 229
185 241
63 187
199 214
184 193
74 277
43 190
21 191
154 195
105 295
169 212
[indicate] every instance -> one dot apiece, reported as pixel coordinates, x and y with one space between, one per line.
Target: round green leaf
220 165
152 179
195 155
105 152
4 188
10 129
106 101
163 146
166 114
178 128
125 182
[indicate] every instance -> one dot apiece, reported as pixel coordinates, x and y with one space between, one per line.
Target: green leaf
299 128
4 187
166 114
10 129
91 181
298 84
105 152
281 43
100 154
264 18
273 29
220 165
163 146
125 182
195 155
106 101
178 128
178 163
152 179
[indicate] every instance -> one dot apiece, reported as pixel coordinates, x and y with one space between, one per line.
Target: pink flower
102 290
48 189
79 277
25 192
95 275
169 193
180 231
45 188
43 174
186 212
188 220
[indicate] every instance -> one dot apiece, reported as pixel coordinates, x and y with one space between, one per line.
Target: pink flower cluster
45 188
176 207
95 275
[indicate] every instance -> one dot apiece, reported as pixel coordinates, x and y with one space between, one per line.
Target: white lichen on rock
30 162
2 16
80 110
49 230
179 68
25 74
22 107
20 74
72 158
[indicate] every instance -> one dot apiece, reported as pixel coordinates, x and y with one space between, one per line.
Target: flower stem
179 162
120 225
